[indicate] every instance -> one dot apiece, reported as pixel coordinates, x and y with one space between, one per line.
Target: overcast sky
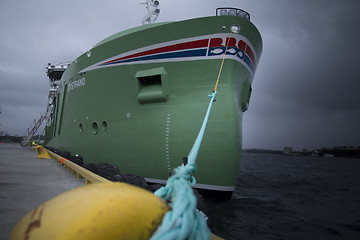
305 91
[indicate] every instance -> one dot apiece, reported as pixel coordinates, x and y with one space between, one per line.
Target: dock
26 182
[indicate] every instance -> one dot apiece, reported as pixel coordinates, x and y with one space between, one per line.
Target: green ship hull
138 98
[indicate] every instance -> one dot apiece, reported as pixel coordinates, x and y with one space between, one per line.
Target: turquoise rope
184 221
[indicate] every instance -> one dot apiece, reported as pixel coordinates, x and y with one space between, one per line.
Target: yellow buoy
97 211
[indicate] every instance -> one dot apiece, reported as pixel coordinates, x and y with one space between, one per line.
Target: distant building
315 153
328 155
288 150
348 147
2 133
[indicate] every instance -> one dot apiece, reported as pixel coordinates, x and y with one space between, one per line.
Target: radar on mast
153 11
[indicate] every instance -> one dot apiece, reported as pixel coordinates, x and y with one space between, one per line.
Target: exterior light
235 28
232 13
223 12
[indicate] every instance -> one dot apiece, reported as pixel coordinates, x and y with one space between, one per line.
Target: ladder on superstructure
27 138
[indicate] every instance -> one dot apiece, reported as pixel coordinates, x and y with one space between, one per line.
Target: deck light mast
153 11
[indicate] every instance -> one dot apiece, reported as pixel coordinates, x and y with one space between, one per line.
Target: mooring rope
184 221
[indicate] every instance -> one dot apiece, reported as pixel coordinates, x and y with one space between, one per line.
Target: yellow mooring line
222 62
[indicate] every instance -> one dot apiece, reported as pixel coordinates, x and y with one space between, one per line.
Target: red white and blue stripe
188 49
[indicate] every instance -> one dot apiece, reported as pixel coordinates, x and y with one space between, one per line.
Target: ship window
95 128
104 125
150 80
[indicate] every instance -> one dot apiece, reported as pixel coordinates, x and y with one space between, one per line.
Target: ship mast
153 11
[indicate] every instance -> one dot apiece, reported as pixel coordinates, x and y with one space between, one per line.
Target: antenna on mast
153 11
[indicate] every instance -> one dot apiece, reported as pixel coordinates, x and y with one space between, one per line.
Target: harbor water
291 197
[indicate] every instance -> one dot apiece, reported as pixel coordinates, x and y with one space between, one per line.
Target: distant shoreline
10 139
327 152
323 152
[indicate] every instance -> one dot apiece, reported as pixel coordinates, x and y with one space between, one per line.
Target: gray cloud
306 87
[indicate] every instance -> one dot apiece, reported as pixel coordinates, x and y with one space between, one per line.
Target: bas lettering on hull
237 48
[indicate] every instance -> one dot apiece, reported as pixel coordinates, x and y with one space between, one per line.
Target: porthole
94 128
104 125
80 128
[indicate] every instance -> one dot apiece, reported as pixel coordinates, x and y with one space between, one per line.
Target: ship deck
26 182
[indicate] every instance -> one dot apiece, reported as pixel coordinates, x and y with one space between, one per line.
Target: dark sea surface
291 197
